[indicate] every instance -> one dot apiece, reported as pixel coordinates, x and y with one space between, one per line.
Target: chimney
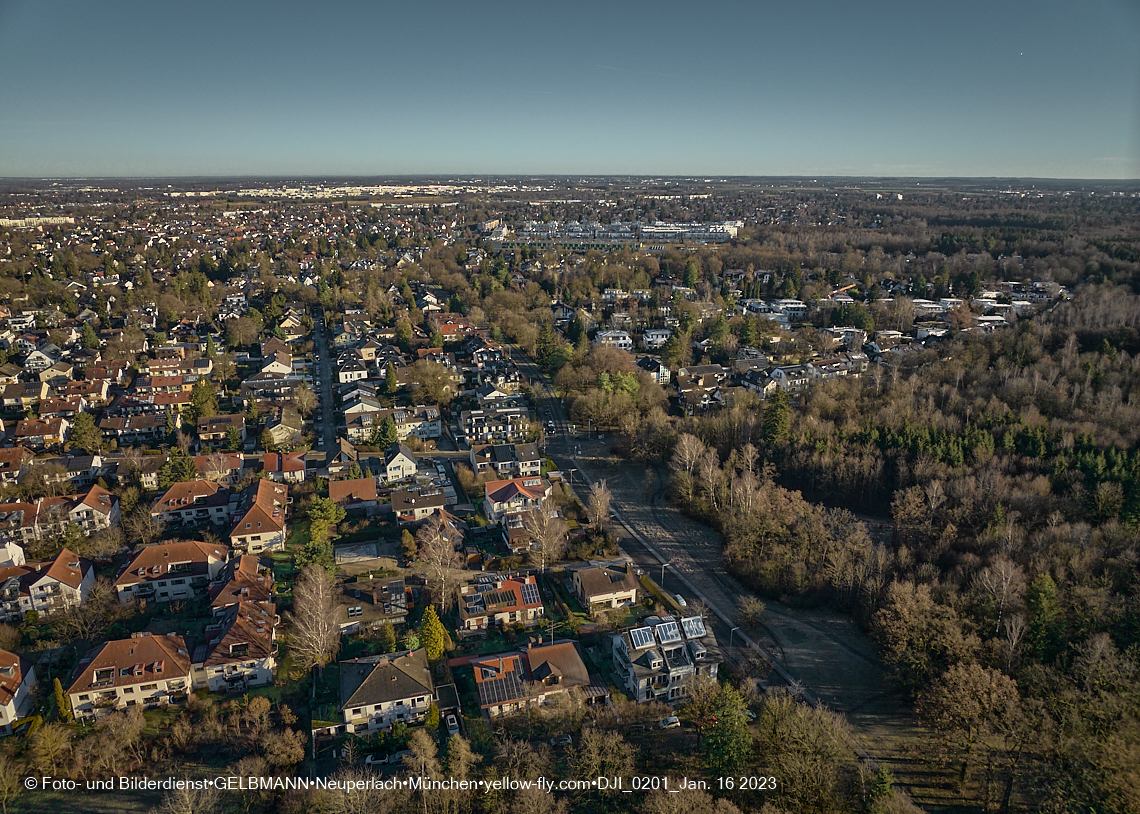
500 664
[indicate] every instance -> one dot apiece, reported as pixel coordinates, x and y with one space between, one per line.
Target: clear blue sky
1039 88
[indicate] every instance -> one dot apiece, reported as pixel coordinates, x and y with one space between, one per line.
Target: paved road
326 428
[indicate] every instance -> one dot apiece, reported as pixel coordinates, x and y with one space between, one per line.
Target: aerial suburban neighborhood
323 478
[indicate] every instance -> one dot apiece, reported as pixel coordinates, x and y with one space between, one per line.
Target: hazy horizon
887 89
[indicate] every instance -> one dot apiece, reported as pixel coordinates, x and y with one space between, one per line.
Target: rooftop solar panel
694 627
667 633
530 594
641 637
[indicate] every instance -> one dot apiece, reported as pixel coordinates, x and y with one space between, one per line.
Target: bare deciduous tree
598 505
315 634
547 531
436 542
686 454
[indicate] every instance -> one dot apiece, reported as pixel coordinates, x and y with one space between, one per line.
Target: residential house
792 377
213 429
165 572
261 518
399 463
354 494
134 430
143 670
341 459
370 603
417 506
507 460
661 660
193 503
284 426
62 407
42 433
226 468
511 496
655 368
14 463
284 467
614 339
44 356
48 587
655 338
379 691
351 371
244 578
94 510
495 424
500 601
606 586
239 649
510 682
272 388
17 690
24 395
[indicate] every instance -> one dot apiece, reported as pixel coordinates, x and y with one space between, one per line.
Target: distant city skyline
820 88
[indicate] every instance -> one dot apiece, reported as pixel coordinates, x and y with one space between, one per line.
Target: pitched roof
242 579
264 503
559 664
359 489
607 579
126 662
499 679
66 567
154 561
245 632
98 499
502 491
381 679
13 668
183 494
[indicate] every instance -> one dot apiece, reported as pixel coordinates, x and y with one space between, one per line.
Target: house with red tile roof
143 670
244 578
41 433
193 503
47 587
285 467
14 462
359 493
239 649
502 601
510 682
514 495
260 524
168 571
226 468
17 689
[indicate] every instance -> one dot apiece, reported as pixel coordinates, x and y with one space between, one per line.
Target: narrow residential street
325 429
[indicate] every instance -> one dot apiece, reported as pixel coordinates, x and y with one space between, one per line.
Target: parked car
561 740
376 760
681 600
672 722
452 725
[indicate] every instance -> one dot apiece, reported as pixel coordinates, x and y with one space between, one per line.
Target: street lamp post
662 582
